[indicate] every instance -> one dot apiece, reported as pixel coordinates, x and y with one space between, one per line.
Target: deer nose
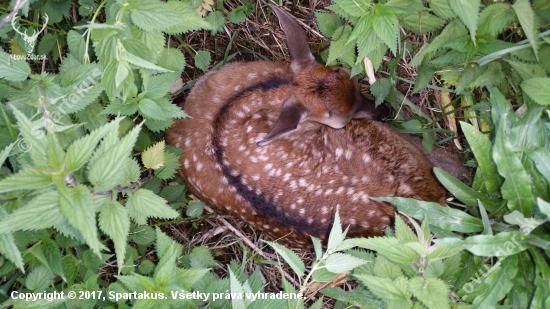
383 111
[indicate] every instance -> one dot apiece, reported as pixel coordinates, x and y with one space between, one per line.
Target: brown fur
292 185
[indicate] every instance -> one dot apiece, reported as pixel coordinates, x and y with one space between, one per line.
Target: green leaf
481 147
153 157
390 247
386 25
39 279
5 153
188 17
445 218
386 269
104 172
336 236
516 187
216 20
290 257
442 9
202 60
236 16
498 283
339 263
327 23
464 193
380 90
33 137
393 292
422 22
52 255
432 292
9 249
453 30
26 179
425 74
144 204
142 63
13 70
158 86
402 230
528 22
355 7
538 89
495 18
114 221
150 109
360 299
80 151
41 212
468 12
76 207
153 15
338 45
76 44
501 244
194 209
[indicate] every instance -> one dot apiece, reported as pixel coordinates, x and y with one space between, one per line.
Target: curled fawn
283 146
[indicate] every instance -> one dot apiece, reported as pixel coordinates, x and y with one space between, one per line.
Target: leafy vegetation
86 178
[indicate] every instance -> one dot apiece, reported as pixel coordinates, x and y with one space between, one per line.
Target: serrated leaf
13 70
33 137
468 12
360 299
236 16
5 153
336 235
78 100
538 89
202 60
75 205
114 221
394 292
432 292
340 263
81 150
423 22
53 257
142 63
327 23
26 179
9 249
528 22
425 74
188 277
442 9
104 173
402 231
387 246
338 45
386 269
501 244
47 43
145 204
355 8
172 59
446 218
290 257
516 186
495 18
153 157
385 23
150 109
158 86
153 15
453 30
41 212
188 17
216 20
39 279
380 90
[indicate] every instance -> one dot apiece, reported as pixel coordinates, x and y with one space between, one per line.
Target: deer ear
300 53
293 112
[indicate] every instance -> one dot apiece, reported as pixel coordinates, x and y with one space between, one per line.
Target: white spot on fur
366 158
186 163
328 192
302 211
248 129
340 190
339 152
347 155
324 210
199 166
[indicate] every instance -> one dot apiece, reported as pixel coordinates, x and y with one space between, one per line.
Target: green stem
89 31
